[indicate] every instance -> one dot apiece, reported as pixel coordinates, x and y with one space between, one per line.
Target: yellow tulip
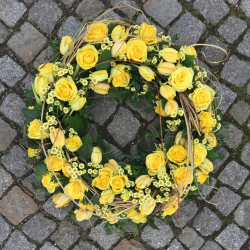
57 138
96 156
172 108
200 176
118 33
118 47
167 92
191 51
166 68
107 196
147 73
84 213
170 55
147 207
101 88
61 200
143 182
77 103
65 44
206 166
125 195
113 165
158 109
99 75
40 84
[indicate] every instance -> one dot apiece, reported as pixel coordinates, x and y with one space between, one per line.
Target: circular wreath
120 58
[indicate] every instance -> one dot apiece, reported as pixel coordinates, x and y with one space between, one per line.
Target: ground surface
28 218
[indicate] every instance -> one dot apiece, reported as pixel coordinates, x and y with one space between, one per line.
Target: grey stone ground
28 219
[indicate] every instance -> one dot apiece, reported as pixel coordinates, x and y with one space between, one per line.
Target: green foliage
136 229
174 38
76 122
36 187
55 44
212 155
108 228
168 140
118 94
121 224
150 95
105 56
111 26
95 200
86 149
189 61
153 133
41 169
30 115
87 177
151 223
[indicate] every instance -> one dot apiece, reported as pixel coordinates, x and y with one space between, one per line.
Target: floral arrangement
119 58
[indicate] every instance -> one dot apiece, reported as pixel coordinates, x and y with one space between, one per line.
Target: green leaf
76 122
86 149
76 70
30 115
174 38
168 140
87 177
219 113
189 61
150 95
41 169
212 155
105 56
39 102
111 26
95 200
151 223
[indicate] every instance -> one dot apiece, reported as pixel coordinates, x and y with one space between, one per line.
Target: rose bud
165 68
206 166
65 43
77 103
118 33
40 83
96 156
170 55
101 88
61 200
147 73
119 47
85 213
57 138
167 92
107 196
172 108
143 182
147 206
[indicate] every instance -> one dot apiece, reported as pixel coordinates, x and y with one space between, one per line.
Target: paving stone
202 67
39 227
175 245
245 155
232 28
66 235
240 111
110 14
190 238
124 126
28 1
17 205
211 245
18 241
99 235
240 76
129 2
14 161
27 82
103 110
69 27
145 110
5 181
232 237
246 189
114 150
188 211
84 245
43 57
241 214
234 2
45 14
214 54
245 7
244 47
48 246
5 129
88 8
207 222
213 10
206 189
61 213
225 200
233 175
157 238
134 150
85 224
68 2
2 88
10 72
248 89
11 11
234 136
27 43
164 16
29 182
3 33
187 22
129 245
5 229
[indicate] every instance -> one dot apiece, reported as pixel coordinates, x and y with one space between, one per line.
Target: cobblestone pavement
28 219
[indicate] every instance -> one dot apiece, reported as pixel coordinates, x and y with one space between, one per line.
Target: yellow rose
200 176
73 143
103 179
65 44
202 97
191 51
167 92
34 131
171 206
147 73
76 189
171 108
177 154
56 163
65 169
99 75
65 89
148 33
48 183
47 72
118 182
40 84
137 50
181 78
147 207
200 153
135 216
165 68
87 57
107 196
181 174
119 47
101 88
213 139
96 32
96 156
155 161
57 138
207 122
61 200
32 152
206 166
113 165
143 182
120 77
119 32
111 218
125 195
84 213
170 55
77 103
158 109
